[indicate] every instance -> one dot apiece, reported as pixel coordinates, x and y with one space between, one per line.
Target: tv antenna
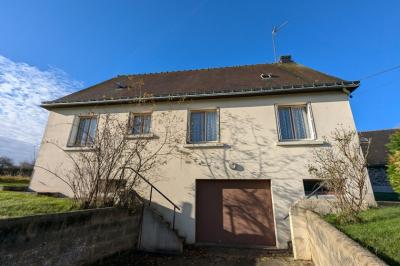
275 30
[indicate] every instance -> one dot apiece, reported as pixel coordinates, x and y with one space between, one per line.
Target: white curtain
92 132
300 123
137 125
211 126
146 124
203 126
285 123
197 126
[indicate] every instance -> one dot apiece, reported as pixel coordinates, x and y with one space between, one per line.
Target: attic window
364 140
121 85
266 76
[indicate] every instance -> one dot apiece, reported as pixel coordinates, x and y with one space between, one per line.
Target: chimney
285 59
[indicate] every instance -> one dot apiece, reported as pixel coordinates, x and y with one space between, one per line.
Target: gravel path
206 256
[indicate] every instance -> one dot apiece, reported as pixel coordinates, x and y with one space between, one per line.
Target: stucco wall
72 238
316 240
248 130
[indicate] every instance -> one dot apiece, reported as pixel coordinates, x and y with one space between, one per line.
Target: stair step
168 223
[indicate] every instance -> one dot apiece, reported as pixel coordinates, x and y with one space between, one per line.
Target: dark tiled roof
378 152
243 80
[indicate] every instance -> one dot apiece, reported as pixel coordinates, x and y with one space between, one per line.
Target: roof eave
346 87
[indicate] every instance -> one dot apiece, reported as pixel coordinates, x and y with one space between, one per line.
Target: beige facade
247 128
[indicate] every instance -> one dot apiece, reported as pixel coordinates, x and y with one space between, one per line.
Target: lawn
379 231
14 204
15 181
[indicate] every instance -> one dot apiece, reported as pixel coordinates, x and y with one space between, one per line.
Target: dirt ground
205 256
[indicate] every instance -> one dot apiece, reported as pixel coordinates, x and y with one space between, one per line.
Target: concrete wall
316 240
72 238
248 132
157 234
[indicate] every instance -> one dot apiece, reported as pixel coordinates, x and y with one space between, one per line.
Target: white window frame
217 126
310 120
75 128
131 120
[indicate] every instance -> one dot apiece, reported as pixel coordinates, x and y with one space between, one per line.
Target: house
377 160
253 127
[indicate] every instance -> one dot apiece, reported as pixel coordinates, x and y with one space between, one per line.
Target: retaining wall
315 239
72 238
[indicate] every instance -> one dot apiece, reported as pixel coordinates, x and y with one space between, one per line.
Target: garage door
237 212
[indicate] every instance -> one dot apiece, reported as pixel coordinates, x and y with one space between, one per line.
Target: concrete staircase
157 234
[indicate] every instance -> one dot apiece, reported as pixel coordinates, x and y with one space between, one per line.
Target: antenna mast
275 30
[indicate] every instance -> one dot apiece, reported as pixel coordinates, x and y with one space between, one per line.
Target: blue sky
49 48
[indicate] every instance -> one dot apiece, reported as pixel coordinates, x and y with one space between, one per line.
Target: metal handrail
156 189
314 192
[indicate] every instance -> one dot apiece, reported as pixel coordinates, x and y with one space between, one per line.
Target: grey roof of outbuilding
206 83
378 153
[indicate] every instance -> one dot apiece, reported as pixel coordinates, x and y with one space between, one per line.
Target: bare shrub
100 176
343 169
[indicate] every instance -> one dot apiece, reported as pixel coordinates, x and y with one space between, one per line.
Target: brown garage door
237 212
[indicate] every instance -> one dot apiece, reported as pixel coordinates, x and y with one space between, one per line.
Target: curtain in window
146 124
300 122
86 131
197 126
203 126
82 131
211 126
141 124
137 125
285 123
92 132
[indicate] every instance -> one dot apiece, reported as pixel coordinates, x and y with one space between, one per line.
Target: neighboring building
255 126
377 158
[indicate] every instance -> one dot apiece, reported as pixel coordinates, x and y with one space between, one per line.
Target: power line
380 72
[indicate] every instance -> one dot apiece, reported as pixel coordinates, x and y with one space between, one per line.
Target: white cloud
22 88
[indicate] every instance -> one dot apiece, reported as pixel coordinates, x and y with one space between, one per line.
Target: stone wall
315 239
72 238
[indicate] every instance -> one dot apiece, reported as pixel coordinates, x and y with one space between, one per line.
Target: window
294 122
111 185
310 185
203 126
86 131
140 124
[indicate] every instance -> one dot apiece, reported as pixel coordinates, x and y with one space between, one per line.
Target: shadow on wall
182 218
248 156
256 157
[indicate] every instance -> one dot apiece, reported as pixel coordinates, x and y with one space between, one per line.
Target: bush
343 170
393 168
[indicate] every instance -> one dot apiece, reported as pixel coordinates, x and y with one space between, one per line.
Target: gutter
346 87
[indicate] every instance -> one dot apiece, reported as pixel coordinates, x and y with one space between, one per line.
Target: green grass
385 196
14 204
379 232
14 181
